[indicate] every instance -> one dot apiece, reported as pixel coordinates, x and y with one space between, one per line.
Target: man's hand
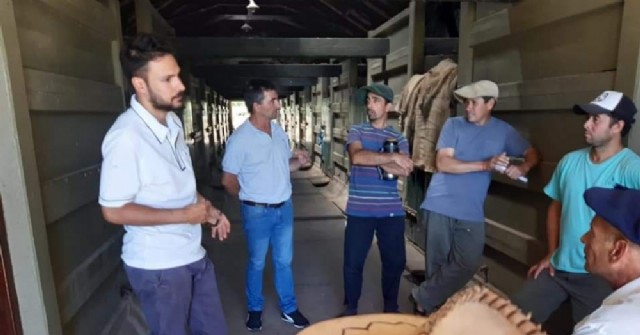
515 171
498 163
222 229
198 212
220 225
545 263
302 156
403 161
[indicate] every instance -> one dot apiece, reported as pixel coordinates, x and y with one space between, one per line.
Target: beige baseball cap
482 88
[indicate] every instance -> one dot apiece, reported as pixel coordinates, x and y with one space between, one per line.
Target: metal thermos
390 145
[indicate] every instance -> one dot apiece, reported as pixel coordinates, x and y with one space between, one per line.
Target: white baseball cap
482 88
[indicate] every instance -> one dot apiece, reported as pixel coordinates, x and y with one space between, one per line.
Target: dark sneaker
254 321
296 318
347 312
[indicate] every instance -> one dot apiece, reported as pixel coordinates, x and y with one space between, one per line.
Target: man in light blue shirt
257 168
561 274
468 150
147 185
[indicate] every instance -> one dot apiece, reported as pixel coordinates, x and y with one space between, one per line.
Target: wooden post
21 192
416 37
116 47
144 18
355 110
9 315
465 51
628 67
147 15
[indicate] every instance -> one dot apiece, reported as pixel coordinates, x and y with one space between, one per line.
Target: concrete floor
317 265
318 243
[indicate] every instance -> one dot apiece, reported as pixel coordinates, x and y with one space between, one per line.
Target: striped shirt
369 195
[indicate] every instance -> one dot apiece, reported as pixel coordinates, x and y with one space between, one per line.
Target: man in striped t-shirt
374 205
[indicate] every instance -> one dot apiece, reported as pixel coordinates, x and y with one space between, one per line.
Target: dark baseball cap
611 103
619 207
379 89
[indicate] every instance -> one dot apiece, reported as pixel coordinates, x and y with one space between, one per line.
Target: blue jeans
263 227
180 301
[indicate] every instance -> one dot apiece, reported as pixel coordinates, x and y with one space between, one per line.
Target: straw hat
475 310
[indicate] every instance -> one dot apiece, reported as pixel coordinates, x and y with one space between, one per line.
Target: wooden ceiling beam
251 18
269 70
241 82
375 9
239 95
332 7
214 47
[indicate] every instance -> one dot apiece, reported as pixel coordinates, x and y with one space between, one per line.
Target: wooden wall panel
57 93
65 194
488 8
107 296
53 41
81 147
546 55
572 46
540 129
69 53
92 15
526 15
83 254
553 93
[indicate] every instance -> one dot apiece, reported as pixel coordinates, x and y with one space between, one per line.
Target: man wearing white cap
561 274
470 147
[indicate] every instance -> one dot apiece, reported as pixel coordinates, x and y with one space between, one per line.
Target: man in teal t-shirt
561 275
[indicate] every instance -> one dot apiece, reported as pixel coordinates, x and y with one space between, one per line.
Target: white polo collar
160 131
623 292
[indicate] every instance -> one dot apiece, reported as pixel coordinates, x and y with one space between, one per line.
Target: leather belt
260 204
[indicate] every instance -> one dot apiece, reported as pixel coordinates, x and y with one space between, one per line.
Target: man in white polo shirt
257 167
147 184
612 251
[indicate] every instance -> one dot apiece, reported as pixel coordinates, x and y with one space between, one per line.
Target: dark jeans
180 301
453 255
357 241
543 295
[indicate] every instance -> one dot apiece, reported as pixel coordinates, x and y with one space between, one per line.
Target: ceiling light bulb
252 6
246 27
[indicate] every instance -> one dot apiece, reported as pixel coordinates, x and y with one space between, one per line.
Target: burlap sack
425 104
